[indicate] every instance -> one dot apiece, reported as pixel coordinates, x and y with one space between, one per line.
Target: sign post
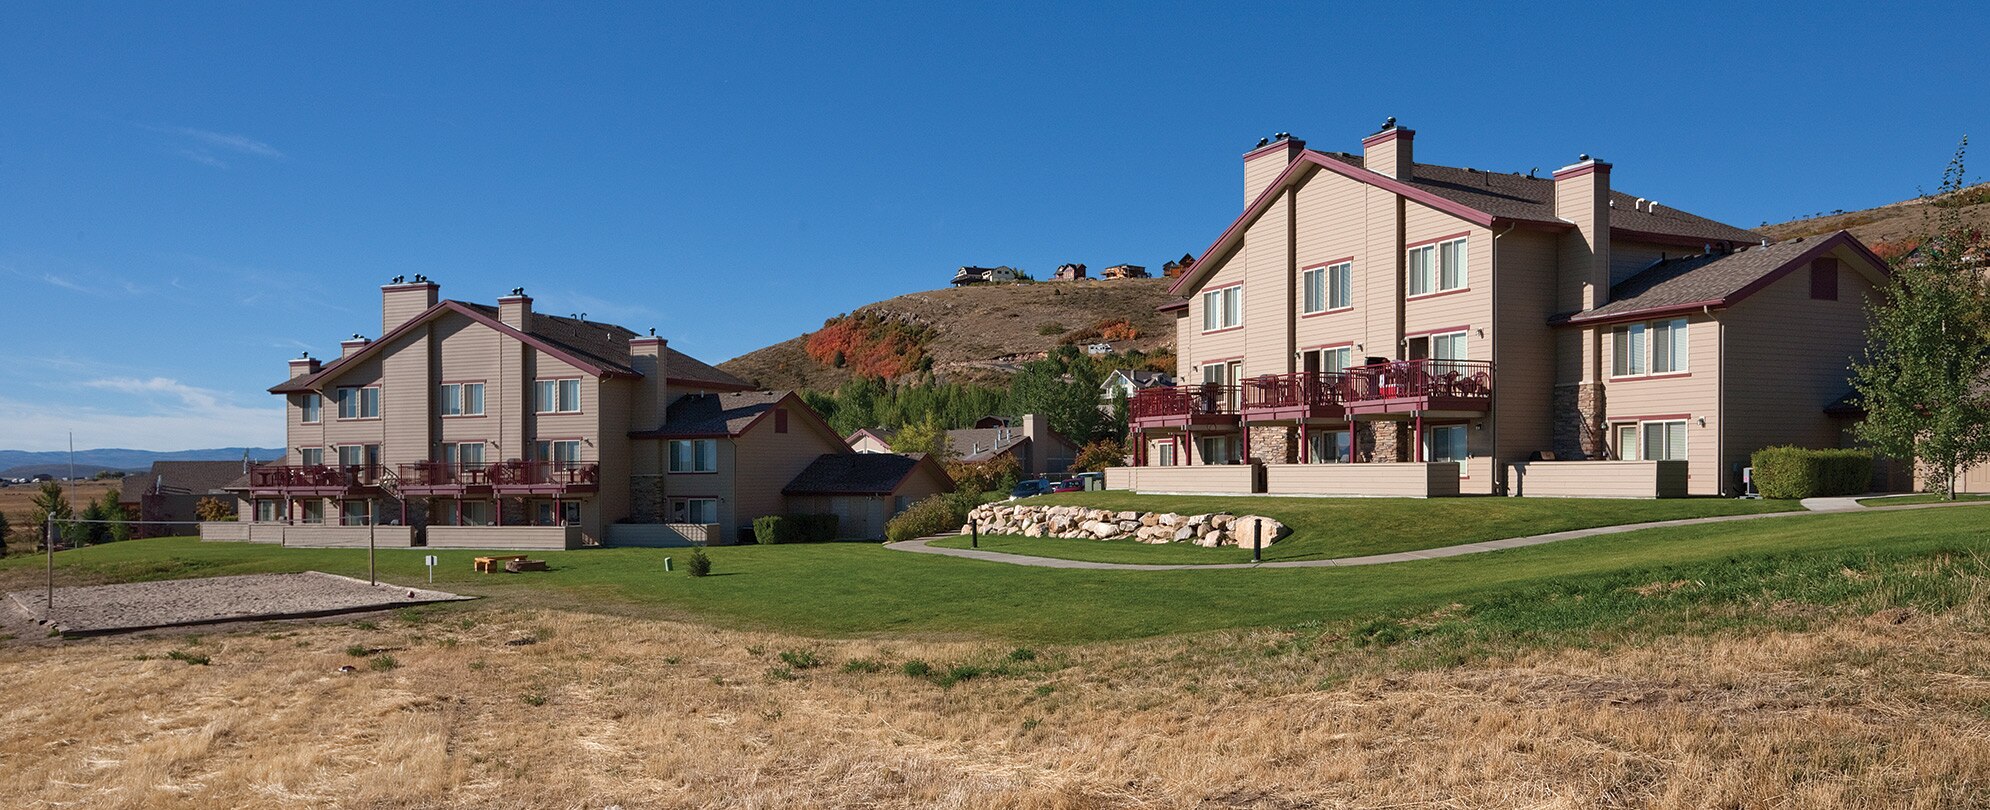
431 569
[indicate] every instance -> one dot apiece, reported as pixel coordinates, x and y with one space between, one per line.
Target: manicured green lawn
1328 528
864 589
1924 497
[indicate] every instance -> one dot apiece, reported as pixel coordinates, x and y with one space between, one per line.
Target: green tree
119 527
90 529
1069 401
6 531
51 503
924 436
1927 361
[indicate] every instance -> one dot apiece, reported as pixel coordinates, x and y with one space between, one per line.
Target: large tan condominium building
1484 329
464 422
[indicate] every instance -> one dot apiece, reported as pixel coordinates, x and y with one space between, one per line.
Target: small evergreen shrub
1795 472
700 565
939 514
771 530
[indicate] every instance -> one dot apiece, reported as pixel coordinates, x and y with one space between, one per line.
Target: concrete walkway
919 546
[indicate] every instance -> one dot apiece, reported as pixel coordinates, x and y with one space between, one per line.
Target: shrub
939 514
1050 329
769 530
863 666
194 659
801 659
382 663
700 564
916 668
1796 472
1099 454
214 510
998 473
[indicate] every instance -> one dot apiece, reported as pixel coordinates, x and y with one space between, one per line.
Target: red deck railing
1183 401
1405 379
314 476
1295 390
442 474
545 474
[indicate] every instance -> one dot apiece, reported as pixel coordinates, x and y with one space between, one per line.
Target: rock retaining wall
1084 523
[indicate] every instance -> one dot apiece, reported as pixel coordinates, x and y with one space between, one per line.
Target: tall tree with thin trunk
1925 377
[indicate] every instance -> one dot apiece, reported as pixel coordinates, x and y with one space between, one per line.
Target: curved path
920 546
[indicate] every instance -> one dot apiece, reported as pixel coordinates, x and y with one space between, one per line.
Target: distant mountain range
24 463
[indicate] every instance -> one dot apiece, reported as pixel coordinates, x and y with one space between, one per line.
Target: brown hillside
1893 224
984 332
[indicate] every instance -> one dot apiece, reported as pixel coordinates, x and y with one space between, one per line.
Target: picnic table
487 565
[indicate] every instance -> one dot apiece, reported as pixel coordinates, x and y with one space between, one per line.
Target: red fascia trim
1257 207
1803 260
1657 417
1630 235
1324 265
1387 135
332 369
1272 148
1444 331
1346 344
1580 169
1172 306
1640 314
1439 240
1670 375
1334 311
1221 331
1438 294
1218 360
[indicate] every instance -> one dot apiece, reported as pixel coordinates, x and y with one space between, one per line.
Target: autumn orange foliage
868 345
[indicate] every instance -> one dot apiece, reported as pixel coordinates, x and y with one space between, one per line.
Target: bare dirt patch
96 609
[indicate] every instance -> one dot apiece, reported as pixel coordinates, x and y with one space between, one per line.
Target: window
1326 288
463 399
1220 380
1437 267
1658 347
353 513
1664 441
557 396
351 455
1328 446
1627 442
1446 443
475 513
463 455
359 403
1824 279
1164 454
1217 449
780 420
314 511
694 510
311 456
694 455
562 452
1223 309
311 408
268 511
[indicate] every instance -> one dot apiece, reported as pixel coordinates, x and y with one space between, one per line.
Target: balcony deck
1426 387
544 477
1306 395
314 480
440 478
1184 407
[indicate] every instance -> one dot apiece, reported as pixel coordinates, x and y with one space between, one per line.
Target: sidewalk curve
919 545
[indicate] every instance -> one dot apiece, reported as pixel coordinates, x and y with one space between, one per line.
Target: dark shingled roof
1518 196
726 414
1708 279
981 444
182 478
854 474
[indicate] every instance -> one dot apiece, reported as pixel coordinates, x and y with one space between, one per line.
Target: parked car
1068 485
1033 486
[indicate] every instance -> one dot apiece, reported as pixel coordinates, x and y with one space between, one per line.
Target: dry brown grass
1880 711
17 501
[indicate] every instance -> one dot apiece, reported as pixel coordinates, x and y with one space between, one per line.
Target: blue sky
192 193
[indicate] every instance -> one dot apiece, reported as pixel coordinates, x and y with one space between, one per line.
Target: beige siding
1470 307
406 415
1268 291
1788 357
1692 396
1221 345
1223 478
767 461
1364 480
1328 226
1599 479
1524 356
1260 171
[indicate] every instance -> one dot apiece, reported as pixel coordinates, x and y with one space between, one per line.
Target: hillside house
1068 272
482 426
1123 271
1175 268
1492 333
984 275
1126 382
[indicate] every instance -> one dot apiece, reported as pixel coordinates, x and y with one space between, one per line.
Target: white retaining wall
1436 479
506 538
666 535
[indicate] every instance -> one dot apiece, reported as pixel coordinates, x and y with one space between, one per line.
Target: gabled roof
1140 378
883 435
981 444
713 415
601 349
861 474
182 478
1487 199
1716 280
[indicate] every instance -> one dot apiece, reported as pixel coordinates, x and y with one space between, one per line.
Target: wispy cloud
567 302
205 146
156 413
65 283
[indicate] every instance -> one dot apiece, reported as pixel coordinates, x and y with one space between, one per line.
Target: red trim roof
311 381
1801 260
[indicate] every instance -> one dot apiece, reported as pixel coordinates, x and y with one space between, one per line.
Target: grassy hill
1893 228
983 333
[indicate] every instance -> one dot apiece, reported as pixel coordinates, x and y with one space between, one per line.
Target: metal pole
1257 540
48 542
974 533
372 574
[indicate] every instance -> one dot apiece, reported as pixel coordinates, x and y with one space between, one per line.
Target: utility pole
48 542
372 574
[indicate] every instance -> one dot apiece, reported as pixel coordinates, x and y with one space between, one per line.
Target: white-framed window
463 455
1664 441
1164 455
1627 442
1437 267
359 455
1328 446
562 452
694 510
359 403
310 408
354 513
462 399
1223 309
1217 449
311 456
269 511
313 510
694 455
476 513
556 396
1658 347
1327 288
1445 443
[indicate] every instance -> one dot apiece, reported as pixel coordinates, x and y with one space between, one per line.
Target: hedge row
940 514
783 529
1796 472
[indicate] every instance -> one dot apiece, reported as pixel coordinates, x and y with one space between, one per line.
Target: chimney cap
1389 123
518 291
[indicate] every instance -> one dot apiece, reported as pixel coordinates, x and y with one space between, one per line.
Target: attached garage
864 490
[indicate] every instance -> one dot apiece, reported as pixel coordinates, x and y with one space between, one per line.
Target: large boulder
1243 527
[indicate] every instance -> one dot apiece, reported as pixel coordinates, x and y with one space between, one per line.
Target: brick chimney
515 310
651 356
1265 163
352 345
1582 196
401 301
306 364
1389 151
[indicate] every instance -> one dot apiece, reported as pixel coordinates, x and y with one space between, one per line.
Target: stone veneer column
1274 444
646 499
1579 432
1391 445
